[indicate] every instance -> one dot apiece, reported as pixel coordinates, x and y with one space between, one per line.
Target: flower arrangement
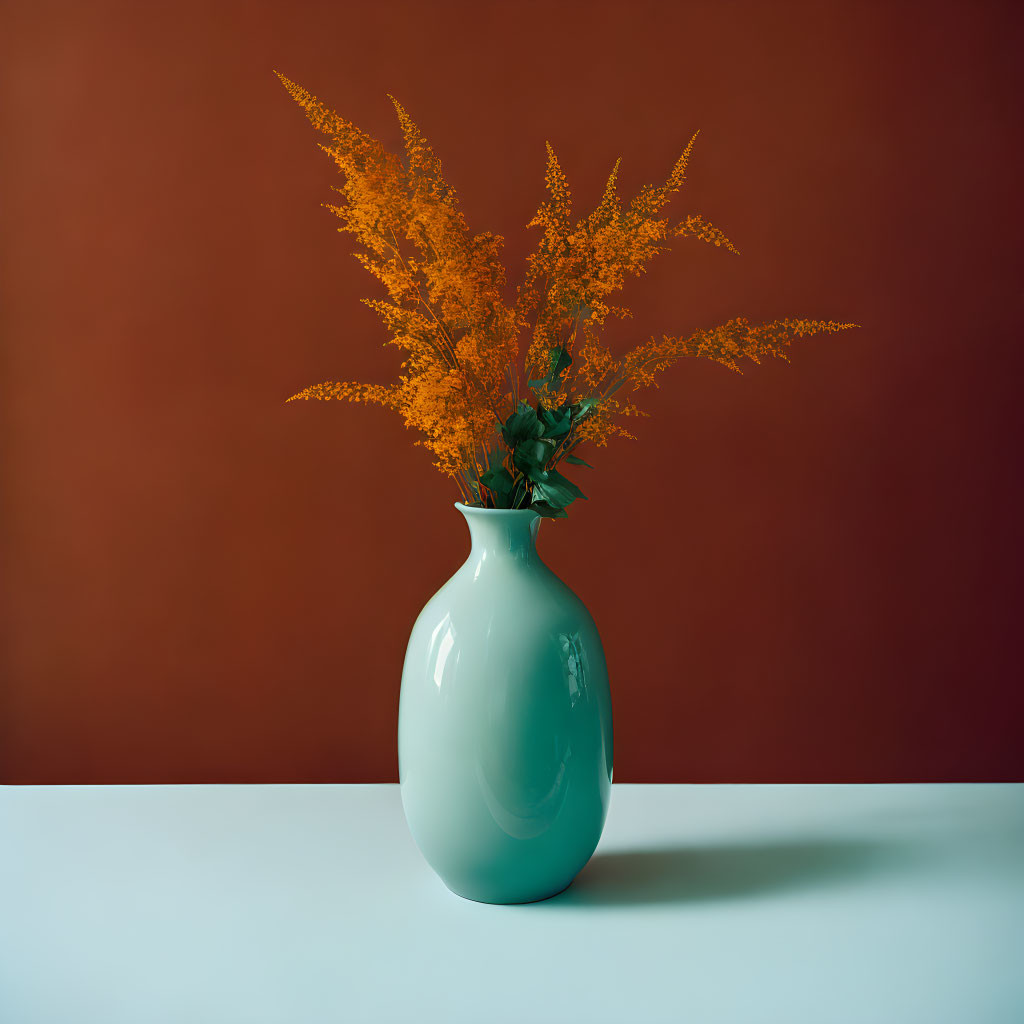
461 380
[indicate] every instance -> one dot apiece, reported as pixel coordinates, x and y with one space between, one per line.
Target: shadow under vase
691 874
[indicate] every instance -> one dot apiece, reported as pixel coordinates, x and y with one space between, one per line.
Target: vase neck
500 534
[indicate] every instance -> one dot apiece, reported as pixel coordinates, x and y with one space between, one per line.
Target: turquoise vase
505 721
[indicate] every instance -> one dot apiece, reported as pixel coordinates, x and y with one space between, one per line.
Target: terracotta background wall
811 572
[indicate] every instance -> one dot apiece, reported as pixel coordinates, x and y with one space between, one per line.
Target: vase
505 722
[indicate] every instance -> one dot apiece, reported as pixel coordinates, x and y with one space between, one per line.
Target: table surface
310 904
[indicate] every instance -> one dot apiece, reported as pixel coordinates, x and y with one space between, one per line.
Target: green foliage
525 474
560 361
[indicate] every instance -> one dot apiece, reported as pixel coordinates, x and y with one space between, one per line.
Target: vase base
510 903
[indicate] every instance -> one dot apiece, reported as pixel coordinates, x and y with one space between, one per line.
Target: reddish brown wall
811 572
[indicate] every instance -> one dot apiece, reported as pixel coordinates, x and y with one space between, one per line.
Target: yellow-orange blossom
446 305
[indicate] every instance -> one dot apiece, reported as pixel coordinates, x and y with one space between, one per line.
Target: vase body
504 724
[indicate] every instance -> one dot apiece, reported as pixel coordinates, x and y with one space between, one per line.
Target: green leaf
498 480
554 492
549 511
577 461
557 490
521 425
583 407
559 361
532 456
556 478
556 422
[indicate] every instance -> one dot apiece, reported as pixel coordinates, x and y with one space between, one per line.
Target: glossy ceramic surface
505 724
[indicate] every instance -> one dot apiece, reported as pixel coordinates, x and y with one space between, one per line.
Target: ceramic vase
505 723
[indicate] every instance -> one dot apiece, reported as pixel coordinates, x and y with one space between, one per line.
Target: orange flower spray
460 385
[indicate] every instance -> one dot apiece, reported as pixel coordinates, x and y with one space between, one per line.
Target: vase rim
464 508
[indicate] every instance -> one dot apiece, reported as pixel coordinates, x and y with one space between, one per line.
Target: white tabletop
310 904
